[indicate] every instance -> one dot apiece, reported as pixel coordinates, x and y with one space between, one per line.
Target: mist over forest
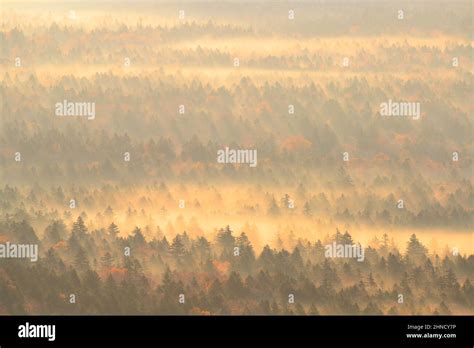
350 124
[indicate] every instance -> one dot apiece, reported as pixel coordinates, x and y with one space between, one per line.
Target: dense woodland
65 183
96 268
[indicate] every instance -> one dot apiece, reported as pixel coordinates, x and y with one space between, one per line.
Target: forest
173 158
100 272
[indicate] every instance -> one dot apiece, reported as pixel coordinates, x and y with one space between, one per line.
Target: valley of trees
142 177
